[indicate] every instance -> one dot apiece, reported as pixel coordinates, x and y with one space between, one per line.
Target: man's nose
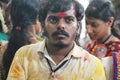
61 24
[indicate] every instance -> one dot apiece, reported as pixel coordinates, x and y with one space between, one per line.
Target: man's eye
53 20
69 20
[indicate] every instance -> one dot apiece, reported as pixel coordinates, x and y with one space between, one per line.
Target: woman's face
97 29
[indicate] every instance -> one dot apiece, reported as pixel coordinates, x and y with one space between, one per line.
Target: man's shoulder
32 46
88 59
30 49
85 54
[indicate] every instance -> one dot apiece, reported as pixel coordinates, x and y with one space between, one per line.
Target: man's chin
60 45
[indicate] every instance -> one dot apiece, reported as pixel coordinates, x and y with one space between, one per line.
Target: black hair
23 14
100 9
59 5
5 1
116 28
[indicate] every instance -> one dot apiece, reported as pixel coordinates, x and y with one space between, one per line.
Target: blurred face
60 27
97 29
3 7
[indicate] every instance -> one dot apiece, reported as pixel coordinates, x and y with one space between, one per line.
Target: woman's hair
100 9
116 28
24 13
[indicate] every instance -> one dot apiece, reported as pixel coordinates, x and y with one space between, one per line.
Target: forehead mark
61 14
64 14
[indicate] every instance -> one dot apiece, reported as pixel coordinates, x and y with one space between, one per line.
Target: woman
100 16
24 16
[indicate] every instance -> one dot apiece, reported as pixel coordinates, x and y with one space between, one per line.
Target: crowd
40 40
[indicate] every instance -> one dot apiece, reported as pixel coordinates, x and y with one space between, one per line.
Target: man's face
60 27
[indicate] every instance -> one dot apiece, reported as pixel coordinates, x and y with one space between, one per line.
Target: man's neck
58 54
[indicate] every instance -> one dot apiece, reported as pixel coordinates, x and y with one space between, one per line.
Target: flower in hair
18 28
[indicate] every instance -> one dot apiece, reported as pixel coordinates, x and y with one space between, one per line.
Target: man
57 57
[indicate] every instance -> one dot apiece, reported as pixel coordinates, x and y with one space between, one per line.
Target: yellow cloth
30 64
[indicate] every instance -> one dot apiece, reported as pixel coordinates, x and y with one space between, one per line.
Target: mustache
62 32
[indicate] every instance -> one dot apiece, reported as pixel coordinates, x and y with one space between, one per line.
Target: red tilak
64 14
61 14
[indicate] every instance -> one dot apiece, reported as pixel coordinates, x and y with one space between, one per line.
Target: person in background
24 16
3 36
116 28
3 30
7 17
3 7
3 27
57 57
100 16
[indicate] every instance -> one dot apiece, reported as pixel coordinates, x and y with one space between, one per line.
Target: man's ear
43 34
78 31
79 25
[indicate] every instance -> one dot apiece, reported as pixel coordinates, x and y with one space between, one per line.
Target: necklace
107 38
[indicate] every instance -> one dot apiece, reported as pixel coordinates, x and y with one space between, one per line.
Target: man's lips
60 36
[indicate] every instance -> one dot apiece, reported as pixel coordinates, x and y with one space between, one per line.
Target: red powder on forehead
64 14
61 14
